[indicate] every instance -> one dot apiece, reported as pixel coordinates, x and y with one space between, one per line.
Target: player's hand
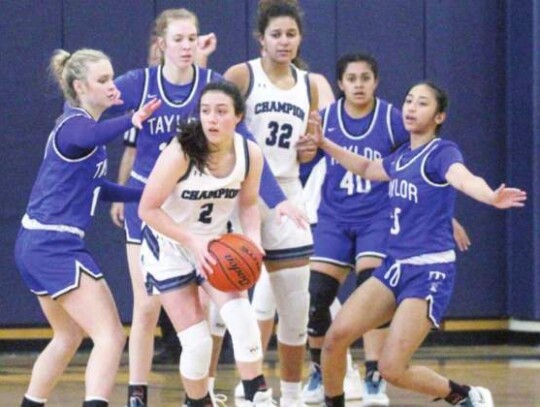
460 236
207 44
315 133
297 215
145 112
504 198
306 149
204 261
117 213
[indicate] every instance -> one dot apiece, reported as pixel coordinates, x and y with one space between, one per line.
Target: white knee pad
263 301
291 289
335 307
217 325
196 351
242 324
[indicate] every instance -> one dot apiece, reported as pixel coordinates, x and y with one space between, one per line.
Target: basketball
238 262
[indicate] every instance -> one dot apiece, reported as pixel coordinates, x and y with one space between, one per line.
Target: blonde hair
66 67
163 20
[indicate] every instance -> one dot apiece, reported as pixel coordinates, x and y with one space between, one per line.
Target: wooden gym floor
511 372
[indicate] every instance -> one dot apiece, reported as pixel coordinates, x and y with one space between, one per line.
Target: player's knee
242 324
391 371
291 290
67 342
263 300
196 351
323 291
292 327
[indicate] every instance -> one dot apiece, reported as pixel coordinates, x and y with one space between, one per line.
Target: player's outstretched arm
476 187
355 163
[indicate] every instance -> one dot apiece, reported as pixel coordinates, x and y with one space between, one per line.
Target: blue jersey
179 103
66 190
422 202
347 197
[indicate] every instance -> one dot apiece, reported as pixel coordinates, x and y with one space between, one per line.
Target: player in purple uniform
50 250
353 213
413 286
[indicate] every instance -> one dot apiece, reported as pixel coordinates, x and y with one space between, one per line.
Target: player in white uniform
188 200
279 98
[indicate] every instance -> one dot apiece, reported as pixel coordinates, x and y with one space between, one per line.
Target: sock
139 391
93 402
211 384
206 401
372 366
316 358
253 386
290 390
337 401
458 393
29 401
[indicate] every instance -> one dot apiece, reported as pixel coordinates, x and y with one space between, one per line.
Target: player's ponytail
194 143
66 67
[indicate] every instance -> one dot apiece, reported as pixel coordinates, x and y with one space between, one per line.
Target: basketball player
206 45
50 251
353 216
188 200
178 83
279 97
414 284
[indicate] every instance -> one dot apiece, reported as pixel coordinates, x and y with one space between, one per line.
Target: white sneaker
479 397
239 391
375 391
313 391
353 384
261 399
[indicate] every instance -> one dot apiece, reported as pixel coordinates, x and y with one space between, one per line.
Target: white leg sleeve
240 320
217 325
291 289
264 302
335 307
196 351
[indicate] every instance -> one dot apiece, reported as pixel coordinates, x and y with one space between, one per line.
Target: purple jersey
179 103
345 196
66 190
422 202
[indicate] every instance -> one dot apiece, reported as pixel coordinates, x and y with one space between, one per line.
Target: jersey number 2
281 139
206 213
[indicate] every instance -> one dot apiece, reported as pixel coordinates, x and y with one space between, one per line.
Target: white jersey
203 203
277 118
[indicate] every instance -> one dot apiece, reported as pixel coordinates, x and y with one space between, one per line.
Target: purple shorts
432 282
51 263
344 244
132 222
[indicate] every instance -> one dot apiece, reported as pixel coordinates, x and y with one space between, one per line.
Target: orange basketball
238 262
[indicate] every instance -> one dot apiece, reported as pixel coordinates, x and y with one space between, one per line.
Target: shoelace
220 400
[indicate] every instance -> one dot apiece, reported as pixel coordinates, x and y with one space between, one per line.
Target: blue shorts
432 282
343 244
132 222
51 263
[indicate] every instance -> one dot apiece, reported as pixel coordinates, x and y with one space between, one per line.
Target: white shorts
165 264
285 240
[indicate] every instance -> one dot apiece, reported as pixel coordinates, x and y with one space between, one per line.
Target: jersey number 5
283 138
206 213
395 227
